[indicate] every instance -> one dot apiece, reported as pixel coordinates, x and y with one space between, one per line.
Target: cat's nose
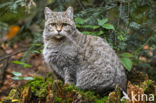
58 31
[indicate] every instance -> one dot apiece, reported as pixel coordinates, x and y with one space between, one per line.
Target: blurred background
129 26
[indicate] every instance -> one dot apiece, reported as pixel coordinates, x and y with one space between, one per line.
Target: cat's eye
64 24
52 24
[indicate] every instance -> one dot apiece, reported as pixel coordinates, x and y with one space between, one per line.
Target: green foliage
128 55
102 22
39 86
38 48
108 26
63 92
79 20
22 63
13 5
102 100
58 100
147 84
90 95
27 78
123 101
97 29
18 76
69 88
126 61
12 11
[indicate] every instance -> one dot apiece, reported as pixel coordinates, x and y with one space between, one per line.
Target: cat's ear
69 12
47 13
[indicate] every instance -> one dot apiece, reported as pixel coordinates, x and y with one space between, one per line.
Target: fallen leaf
146 47
150 53
4 46
18 56
9 51
143 59
13 31
15 46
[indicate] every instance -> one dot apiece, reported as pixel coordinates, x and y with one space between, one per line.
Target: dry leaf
13 31
146 47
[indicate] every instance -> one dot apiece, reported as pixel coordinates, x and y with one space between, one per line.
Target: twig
81 4
3 70
8 56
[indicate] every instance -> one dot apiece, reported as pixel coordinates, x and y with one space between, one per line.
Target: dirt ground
39 68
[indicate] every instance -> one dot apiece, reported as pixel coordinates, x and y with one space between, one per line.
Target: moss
47 90
89 95
63 93
68 100
39 86
102 100
69 88
149 86
58 100
12 94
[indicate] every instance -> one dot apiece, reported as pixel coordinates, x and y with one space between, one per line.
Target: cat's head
59 25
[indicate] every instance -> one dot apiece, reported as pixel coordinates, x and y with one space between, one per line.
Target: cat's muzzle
59 36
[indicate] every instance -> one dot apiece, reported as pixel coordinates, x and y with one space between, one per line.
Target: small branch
8 56
81 4
3 70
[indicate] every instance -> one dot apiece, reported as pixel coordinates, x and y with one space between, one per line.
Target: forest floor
39 68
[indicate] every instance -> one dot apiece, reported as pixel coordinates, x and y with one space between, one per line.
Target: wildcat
84 60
